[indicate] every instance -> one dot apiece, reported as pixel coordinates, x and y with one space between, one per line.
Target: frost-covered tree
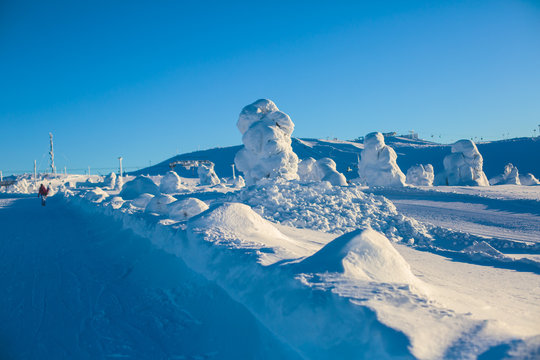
378 166
267 152
420 175
463 166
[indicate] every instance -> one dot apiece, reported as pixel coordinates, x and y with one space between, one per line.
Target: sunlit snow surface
282 270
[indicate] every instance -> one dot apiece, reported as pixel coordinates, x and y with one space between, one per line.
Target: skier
43 192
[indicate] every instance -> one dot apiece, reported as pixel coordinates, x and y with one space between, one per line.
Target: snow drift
378 166
528 180
420 175
266 134
187 208
463 166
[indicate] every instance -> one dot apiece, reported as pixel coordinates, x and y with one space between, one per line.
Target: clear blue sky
148 79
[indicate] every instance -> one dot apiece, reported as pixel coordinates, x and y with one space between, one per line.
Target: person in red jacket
43 192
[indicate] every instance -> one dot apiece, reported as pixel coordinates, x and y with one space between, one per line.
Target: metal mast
51 153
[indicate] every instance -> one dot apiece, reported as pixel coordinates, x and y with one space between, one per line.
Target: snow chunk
158 204
171 183
96 195
142 200
324 169
266 134
510 176
139 185
207 175
362 254
463 166
528 180
482 249
378 166
187 208
420 175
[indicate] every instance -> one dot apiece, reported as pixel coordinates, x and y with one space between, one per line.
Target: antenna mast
51 153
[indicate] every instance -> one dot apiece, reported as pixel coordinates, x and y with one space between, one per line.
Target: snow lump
463 166
510 176
378 166
171 183
139 185
267 152
207 175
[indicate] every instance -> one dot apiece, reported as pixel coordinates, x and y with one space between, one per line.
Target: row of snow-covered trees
268 154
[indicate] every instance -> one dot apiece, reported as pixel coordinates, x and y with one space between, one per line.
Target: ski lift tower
51 153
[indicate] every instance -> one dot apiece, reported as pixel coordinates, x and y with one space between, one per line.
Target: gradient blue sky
146 80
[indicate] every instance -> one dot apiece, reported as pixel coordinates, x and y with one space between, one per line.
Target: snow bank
420 175
528 180
266 134
207 175
139 185
482 250
378 166
463 166
510 176
323 169
363 254
158 204
171 183
186 208
334 209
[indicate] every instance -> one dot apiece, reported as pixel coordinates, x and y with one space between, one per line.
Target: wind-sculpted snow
528 180
185 209
463 166
378 166
158 204
110 181
267 152
420 175
324 169
334 209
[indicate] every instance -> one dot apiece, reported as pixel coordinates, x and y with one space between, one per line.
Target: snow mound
142 200
333 209
96 195
378 166
139 185
528 180
187 208
239 182
110 181
207 175
420 175
237 226
323 169
266 134
117 202
482 249
510 176
171 183
363 254
158 204
463 166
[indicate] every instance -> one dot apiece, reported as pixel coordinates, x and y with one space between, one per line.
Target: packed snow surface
266 134
378 166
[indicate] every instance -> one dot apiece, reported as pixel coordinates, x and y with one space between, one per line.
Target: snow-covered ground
179 267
